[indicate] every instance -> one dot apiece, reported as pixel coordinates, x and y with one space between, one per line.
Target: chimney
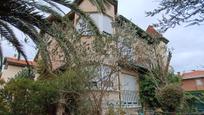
152 32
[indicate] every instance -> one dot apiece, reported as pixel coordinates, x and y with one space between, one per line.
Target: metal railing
130 99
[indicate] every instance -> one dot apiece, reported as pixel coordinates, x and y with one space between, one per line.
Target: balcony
130 99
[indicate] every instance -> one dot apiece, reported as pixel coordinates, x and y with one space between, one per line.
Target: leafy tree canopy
176 12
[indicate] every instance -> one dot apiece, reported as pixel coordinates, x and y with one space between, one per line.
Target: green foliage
148 91
121 111
167 94
170 97
193 101
42 71
152 92
25 16
176 12
110 111
23 96
25 73
174 79
3 107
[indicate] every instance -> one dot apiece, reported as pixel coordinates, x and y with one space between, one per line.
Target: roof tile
193 74
14 61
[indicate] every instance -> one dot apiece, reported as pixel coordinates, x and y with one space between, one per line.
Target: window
199 82
128 82
130 98
129 91
103 22
104 78
104 72
125 49
83 28
107 24
93 84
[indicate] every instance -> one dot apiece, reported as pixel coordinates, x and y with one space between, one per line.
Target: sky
186 43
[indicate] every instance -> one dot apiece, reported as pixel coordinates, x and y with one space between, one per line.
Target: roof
155 34
193 74
143 34
17 62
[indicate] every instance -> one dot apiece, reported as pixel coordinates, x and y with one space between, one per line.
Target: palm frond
50 2
9 35
26 15
29 30
22 26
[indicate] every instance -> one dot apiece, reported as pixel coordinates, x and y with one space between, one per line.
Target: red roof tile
193 74
14 61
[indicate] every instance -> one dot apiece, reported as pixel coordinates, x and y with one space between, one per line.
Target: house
193 81
12 66
124 90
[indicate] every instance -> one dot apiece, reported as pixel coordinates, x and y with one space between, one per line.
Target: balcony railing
129 99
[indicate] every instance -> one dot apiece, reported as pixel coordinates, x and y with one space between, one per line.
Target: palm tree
26 16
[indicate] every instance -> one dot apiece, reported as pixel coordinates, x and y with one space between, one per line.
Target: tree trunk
60 105
60 109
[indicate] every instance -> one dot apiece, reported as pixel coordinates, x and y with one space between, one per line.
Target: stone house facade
123 91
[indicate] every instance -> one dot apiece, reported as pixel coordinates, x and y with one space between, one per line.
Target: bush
25 96
170 97
148 91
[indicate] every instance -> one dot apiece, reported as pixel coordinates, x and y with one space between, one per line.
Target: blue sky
187 42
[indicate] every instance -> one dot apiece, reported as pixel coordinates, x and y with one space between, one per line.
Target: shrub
170 97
